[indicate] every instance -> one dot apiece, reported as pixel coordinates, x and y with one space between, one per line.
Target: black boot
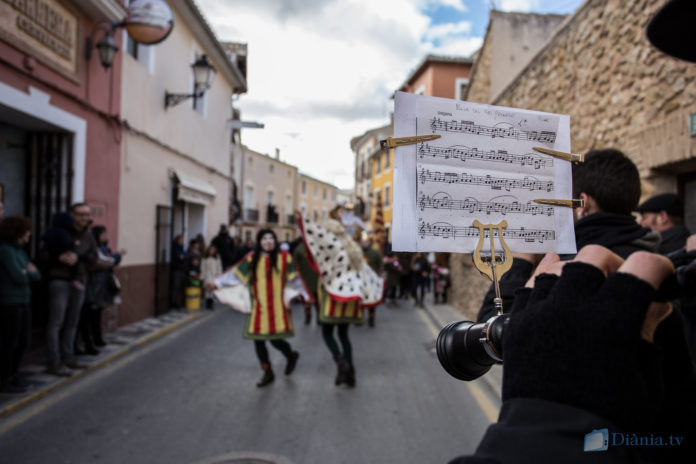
267 378
350 376
342 368
292 362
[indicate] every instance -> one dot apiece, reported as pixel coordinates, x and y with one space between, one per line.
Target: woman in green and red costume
270 276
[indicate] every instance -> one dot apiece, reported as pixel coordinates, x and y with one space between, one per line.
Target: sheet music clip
575 203
494 265
393 142
572 157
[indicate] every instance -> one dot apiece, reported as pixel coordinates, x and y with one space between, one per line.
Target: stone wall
618 89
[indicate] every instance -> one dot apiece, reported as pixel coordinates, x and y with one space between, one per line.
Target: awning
194 190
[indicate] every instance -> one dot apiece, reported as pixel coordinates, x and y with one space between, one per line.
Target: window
324 194
386 160
387 195
288 204
248 196
377 160
316 191
143 54
304 187
132 47
460 86
270 196
316 215
270 168
251 161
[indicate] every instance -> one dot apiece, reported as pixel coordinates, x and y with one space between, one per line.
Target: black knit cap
668 202
672 29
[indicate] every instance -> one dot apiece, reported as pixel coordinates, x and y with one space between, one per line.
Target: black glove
577 340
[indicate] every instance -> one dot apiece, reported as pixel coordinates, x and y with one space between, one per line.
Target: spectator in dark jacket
65 298
101 291
16 272
225 247
664 214
58 239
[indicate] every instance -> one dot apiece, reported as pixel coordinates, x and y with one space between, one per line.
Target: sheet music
483 167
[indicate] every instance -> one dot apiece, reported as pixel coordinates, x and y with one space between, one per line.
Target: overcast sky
322 71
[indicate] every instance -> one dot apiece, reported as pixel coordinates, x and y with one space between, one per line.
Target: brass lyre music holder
497 264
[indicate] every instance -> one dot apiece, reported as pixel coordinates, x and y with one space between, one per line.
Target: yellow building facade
382 163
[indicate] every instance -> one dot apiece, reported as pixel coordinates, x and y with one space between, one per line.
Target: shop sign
48 30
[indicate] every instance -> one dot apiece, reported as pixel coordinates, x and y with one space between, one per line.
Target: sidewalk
443 314
119 343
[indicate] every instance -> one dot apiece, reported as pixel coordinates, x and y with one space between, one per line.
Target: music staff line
495 183
442 200
464 153
501 130
445 230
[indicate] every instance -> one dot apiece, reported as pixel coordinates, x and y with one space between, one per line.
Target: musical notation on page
464 153
502 130
483 166
442 200
495 183
445 230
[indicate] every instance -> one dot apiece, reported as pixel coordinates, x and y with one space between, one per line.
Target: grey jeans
65 302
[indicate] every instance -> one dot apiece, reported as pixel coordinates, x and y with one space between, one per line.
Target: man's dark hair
77 205
13 228
609 177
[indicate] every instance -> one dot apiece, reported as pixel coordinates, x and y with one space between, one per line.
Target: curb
35 396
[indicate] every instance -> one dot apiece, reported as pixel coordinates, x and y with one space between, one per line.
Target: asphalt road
190 397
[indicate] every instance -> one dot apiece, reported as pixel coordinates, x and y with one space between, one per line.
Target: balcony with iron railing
272 216
251 215
289 219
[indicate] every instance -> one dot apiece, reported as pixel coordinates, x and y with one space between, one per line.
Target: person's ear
589 207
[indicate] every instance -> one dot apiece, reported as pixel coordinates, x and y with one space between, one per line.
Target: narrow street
190 397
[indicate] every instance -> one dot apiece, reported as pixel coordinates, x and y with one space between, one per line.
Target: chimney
277 153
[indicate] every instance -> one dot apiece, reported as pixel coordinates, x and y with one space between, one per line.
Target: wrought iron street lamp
203 73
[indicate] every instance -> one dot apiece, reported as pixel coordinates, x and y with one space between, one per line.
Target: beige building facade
175 171
267 188
315 198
